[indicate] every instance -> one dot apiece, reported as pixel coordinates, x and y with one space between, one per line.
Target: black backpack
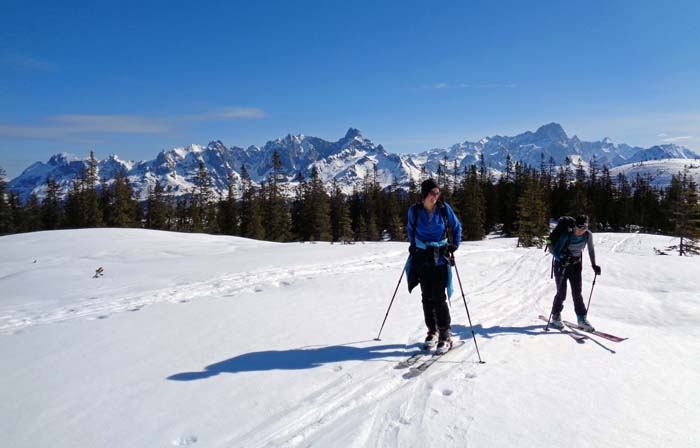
559 238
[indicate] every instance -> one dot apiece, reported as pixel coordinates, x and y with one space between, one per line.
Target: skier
430 249
568 265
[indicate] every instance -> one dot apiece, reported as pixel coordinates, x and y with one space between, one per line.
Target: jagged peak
63 158
353 133
553 131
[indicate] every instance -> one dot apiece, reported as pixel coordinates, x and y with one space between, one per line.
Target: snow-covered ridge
347 160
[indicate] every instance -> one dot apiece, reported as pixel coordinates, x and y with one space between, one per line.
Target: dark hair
426 187
581 221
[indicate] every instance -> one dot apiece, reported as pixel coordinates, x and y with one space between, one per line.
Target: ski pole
452 256
390 303
561 282
591 295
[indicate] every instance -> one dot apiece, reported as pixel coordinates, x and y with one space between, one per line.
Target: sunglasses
434 193
584 226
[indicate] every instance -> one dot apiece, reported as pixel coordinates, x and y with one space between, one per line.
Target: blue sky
132 79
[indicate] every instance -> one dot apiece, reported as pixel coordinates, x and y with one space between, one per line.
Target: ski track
224 286
367 396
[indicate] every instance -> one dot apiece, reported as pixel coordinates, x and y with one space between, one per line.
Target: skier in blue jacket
430 249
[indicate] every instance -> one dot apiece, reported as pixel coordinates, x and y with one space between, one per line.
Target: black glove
451 248
596 269
412 249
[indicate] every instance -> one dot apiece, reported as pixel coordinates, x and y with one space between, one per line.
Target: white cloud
678 139
25 63
75 127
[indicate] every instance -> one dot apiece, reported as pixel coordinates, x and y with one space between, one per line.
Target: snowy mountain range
347 160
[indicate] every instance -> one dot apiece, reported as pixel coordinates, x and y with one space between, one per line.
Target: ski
422 367
412 360
607 336
576 336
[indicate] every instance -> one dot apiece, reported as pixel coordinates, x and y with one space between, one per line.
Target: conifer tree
276 212
6 225
684 208
156 204
317 207
52 214
90 197
251 215
32 214
123 206
471 205
533 216
229 214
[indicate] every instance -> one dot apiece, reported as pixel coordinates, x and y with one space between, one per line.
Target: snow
200 340
660 171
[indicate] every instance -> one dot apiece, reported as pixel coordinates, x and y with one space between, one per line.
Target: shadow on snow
311 357
295 359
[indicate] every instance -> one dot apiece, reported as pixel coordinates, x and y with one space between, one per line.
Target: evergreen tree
156 205
90 197
317 209
75 205
684 208
228 213
471 204
251 215
52 214
276 212
533 214
32 214
6 225
341 222
203 211
392 211
123 206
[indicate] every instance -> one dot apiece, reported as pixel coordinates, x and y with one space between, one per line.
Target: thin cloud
678 139
26 63
482 85
78 127
231 113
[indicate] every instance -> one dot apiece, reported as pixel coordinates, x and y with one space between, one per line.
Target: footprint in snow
470 376
447 392
185 441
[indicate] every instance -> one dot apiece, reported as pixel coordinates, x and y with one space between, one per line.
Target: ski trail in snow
623 242
224 286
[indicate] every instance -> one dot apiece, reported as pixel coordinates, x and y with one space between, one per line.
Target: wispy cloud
462 85
26 63
232 113
678 139
80 127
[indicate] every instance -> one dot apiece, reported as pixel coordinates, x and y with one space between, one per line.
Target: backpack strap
443 212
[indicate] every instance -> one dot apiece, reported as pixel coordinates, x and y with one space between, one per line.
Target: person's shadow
295 359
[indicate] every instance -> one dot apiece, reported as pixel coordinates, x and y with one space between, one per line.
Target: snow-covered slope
347 160
198 340
660 171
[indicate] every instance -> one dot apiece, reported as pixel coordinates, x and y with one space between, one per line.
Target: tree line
519 202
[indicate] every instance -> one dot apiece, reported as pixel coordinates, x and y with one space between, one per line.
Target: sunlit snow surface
198 340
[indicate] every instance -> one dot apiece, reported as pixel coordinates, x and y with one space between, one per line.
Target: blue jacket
431 228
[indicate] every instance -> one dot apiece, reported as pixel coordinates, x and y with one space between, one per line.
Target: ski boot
444 342
556 321
430 340
583 323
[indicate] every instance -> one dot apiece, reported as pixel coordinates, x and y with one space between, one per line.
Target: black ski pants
572 273
433 282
